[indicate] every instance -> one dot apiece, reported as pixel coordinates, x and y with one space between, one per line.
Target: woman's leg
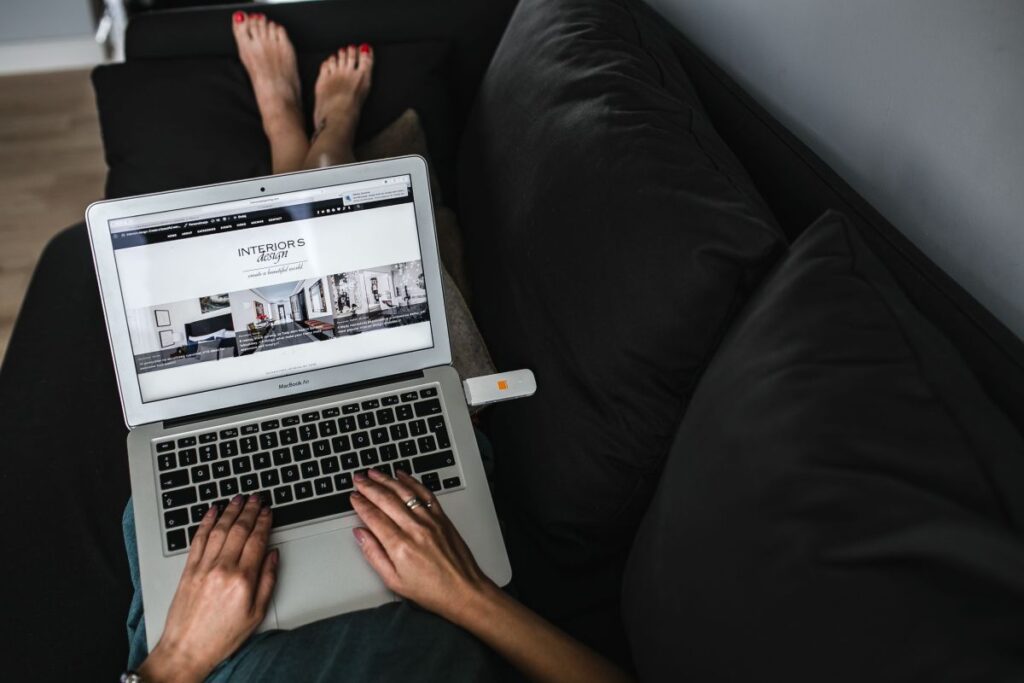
269 57
341 89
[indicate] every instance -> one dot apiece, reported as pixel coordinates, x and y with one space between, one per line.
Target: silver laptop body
275 336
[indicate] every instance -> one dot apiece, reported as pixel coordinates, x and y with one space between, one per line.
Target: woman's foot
341 89
269 57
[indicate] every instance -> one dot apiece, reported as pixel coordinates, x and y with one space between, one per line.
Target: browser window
245 291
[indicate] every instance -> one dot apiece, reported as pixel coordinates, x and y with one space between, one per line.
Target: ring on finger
413 503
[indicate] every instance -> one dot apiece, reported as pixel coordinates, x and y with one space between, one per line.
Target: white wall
38 35
918 104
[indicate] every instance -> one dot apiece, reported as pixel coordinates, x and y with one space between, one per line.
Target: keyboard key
192 532
282 495
268 441
220 505
388 452
261 461
404 412
434 461
241 465
340 444
385 416
314 508
323 486
269 478
179 497
451 482
312 416
248 482
250 429
383 469
368 457
228 449
228 487
221 468
407 448
402 465
200 473
431 407
366 420
166 461
379 435
290 474
329 428
330 465
249 444
187 457
371 404
331 412
426 444
321 448
410 396
310 469
165 447
435 423
208 453
398 432
290 421
349 460
350 408
343 481
208 437
431 481
289 436
172 480
228 433
360 440
442 438
266 497
428 392
307 432
198 511
303 489
186 442
346 424
302 452
176 540
389 400
208 491
282 456
269 424
418 428
176 518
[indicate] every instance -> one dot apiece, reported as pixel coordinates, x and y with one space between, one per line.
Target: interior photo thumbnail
182 332
377 298
277 316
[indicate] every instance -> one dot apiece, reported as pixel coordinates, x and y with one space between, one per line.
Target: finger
240 531
376 556
376 520
195 552
404 493
268 579
219 533
388 501
255 548
422 492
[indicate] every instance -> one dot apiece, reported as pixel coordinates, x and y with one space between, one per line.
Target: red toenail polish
239 17
364 48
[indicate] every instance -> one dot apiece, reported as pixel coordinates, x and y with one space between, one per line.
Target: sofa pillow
183 122
842 501
610 237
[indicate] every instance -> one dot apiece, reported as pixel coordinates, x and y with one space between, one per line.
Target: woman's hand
222 596
416 551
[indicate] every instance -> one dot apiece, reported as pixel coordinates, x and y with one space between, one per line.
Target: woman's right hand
417 552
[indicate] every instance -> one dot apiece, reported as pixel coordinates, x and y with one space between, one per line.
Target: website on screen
233 294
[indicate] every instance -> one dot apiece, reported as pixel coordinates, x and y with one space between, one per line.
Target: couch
639 232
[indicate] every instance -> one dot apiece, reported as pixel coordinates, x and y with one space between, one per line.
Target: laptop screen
225 294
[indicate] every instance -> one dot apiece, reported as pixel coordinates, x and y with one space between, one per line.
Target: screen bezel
137 412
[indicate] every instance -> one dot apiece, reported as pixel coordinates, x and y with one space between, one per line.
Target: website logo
271 252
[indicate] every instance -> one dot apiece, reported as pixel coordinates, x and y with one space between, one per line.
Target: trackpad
324 575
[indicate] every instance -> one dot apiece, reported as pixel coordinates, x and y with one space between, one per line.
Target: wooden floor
51 167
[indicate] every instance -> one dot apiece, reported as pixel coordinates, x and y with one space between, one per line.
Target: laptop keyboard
303 462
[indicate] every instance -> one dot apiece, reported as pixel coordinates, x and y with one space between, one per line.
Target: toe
353 56
365 57
342 57
238 25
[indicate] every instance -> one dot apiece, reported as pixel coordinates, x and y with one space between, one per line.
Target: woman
405 535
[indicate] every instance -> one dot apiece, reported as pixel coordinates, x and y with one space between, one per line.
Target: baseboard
49 55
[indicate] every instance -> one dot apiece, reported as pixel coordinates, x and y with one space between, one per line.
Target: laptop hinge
291 398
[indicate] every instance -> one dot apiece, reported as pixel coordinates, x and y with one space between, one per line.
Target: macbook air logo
290 385
272 252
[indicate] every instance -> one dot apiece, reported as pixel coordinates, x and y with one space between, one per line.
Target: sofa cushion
183 122
842 501
611 236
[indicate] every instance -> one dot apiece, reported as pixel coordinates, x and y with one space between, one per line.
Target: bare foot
341 89
268 56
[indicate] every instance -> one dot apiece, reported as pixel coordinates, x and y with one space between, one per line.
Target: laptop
275 336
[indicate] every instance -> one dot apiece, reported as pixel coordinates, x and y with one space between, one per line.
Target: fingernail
212 511
356 495
239 17
359 476
237 500
364 47
358 533
264 511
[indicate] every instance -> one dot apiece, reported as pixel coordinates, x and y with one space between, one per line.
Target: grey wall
44 19
918 104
